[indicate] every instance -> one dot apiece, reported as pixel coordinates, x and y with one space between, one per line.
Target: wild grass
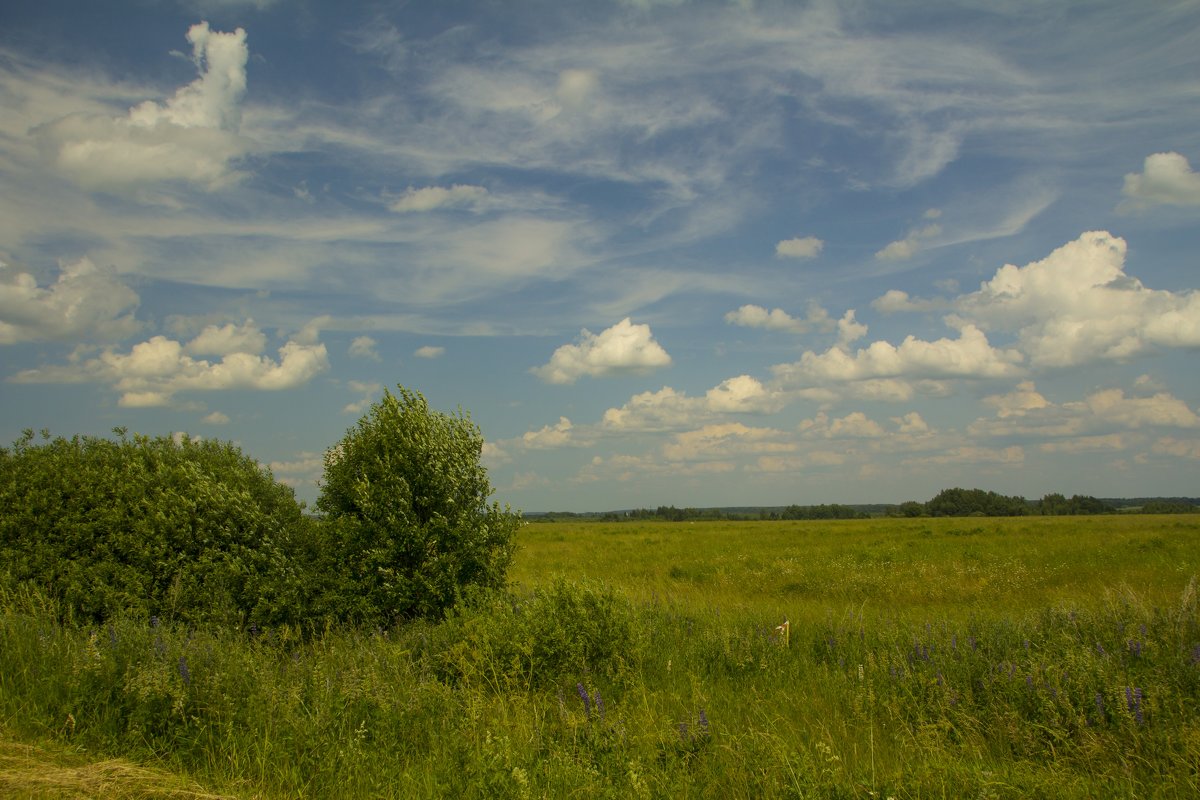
947 658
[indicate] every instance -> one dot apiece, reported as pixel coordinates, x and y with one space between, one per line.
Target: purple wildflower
184 672
703 722
587 701
683 732
1135 647
1133 699
1100 649
1099 707
600 705
1196 655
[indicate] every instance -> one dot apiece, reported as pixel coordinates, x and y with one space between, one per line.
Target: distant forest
947 503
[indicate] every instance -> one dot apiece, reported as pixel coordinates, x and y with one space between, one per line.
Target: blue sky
664 252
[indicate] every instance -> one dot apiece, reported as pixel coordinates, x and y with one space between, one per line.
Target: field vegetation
925 657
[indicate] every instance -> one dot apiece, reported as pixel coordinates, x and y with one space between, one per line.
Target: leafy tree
405 500
180 528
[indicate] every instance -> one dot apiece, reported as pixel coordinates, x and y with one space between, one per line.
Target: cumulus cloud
552 436
216 418
1017 403
154 371
368 392
969 355
429 351
229 338
667 409
1166 179
85 302
742 394
855 425
804 247
895 300
906 248
431 198
192 137
725 440
364 347
752 316
1081 424
1078 305
625 348
1181 448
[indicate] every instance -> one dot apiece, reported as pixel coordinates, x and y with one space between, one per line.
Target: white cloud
622 349
1166 179
912 424
895 300
968 356
1078 305
805 247
752 316
229 338
906 248
1162 409
85 302
1181 448
495 455
742 394
216 418
850 329
367 390
154 371
551 436
855 425
431 198
576 87
668 409
1017 403
364 347
192 137
713 442
429 351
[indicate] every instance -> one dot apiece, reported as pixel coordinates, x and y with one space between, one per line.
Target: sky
663 252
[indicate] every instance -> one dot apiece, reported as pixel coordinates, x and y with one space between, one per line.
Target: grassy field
1027 657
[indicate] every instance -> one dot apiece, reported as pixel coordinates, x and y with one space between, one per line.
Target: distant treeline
947 503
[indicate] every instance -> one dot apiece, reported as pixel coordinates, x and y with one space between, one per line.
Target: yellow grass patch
31 771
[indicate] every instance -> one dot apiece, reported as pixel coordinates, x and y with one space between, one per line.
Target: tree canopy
408 501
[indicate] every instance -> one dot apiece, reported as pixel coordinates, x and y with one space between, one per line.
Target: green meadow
971 657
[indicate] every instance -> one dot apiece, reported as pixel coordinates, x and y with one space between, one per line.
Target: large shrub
181 528
406 504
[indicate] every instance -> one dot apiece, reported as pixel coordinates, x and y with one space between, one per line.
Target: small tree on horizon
407 502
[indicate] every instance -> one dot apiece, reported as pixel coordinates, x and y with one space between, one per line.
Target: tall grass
944 658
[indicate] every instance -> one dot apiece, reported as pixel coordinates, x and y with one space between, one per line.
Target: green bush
406 502
557 634
187 529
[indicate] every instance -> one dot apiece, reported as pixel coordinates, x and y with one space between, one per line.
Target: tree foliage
407 503
180 528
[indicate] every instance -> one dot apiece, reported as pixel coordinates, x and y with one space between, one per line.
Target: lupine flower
683 732
587 701
184 672
1099 706
1133 698
703 722
1135 647
600 705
